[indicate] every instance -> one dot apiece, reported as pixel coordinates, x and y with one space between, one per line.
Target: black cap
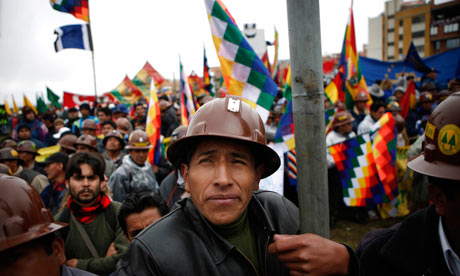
85 106
58 157
73 109
23 125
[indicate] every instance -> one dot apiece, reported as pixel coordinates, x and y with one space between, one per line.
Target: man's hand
72 262
309 254
112 250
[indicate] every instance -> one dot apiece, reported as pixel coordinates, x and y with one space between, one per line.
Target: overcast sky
128 33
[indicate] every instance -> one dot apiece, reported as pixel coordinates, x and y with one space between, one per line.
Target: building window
400 50
452 43
434 30
450 28
391 57
391 43
400 37
418 34
391 30
391 16
437 45
418 19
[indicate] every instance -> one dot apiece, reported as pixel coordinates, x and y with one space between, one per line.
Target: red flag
408 100
75 100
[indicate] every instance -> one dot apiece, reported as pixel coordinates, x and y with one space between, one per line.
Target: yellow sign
429 130
448 139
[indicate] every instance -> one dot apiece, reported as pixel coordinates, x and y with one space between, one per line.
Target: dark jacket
183 242
408 248
170 190
169 121
70 271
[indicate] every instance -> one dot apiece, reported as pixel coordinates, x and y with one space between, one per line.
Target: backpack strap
65 217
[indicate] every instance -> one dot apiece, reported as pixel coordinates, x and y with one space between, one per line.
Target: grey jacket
132 178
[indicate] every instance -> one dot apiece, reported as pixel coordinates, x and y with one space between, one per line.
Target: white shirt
452 260
366 124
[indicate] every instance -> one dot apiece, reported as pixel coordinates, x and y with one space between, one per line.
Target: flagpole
92 53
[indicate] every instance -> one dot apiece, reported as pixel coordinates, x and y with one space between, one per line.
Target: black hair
106 111
138 202
376 105
21 126
448 186
45 242
93 159
112 123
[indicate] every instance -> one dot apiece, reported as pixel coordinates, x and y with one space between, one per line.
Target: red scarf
59 186
86 214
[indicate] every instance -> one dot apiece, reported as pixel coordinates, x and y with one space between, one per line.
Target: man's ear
259 171
184 172
439 199
67 184
59 250
60 166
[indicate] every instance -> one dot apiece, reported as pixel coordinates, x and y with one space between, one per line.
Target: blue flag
413 60
73 36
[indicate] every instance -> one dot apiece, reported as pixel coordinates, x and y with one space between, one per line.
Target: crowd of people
86 209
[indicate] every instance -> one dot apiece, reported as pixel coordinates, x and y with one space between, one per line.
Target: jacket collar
218 247
416 244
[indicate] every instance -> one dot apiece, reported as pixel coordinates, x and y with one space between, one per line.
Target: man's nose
223 174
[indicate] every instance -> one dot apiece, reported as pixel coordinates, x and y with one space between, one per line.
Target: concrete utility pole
308 112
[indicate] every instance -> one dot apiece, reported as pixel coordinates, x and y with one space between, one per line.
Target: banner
75 100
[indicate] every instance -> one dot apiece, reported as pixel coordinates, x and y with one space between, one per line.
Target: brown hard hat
89 124
27 146
400 122
138 140
361 97
123 124
231 118
441 96
393 106
68 142
23 216
116 134
9 143
342 118
425 97
87 140
178 133
4 169
441 155
9 154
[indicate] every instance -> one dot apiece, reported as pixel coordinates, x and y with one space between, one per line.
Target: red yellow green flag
29 104
153 127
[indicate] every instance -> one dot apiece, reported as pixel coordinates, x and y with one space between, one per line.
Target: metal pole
308 113
92 53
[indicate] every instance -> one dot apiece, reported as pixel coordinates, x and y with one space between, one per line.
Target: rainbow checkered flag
292 167
358 172
244 73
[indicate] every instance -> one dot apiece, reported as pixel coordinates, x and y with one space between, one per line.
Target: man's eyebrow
240 155
209 152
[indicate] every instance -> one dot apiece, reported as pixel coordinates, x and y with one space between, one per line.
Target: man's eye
78 177
92 177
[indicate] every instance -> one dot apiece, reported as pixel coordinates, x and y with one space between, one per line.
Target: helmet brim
177 153
436 168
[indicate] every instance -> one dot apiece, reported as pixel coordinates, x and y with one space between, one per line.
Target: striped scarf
86 214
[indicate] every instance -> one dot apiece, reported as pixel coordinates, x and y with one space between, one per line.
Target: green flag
53 98
41 106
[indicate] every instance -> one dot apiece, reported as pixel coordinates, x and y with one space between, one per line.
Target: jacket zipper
249 261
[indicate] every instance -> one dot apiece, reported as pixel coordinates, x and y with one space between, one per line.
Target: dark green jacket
102 235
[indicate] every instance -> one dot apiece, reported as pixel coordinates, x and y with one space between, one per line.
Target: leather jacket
184 243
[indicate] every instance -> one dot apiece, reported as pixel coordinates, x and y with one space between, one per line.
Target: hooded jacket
132 178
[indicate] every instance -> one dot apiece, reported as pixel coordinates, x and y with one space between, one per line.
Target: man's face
360 105
32 259
139 155
58 126
30 116
140 111
427 106
113 144
378 114
53 170
27 157
136 222
346 128
84 112
82 148
86 187
88 131
24 133
398 95
73 114
12 164
106 129
102 116
221 178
